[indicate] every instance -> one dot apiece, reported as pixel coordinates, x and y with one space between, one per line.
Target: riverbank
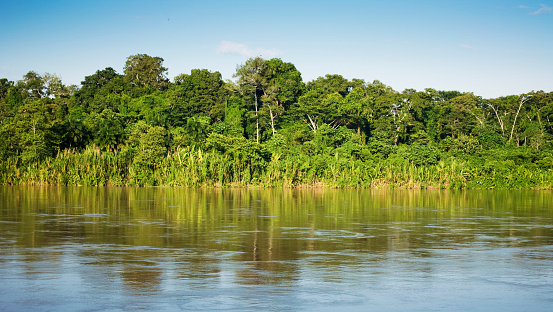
189 167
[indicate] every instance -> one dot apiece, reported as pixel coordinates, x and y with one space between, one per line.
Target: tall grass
194 167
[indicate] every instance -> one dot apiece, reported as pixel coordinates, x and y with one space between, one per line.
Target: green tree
543 103
317 109
323 103
271 107
252 78
197 130
391 113
143 70
5 85
500 108
32 85
287 79
284 85
98 91
232 124
200 93
153 108
151 144
505 112
35 124
14 98
534 129
108 129
464 114
331 84
54 87
37 86
5 109
357 108
523 98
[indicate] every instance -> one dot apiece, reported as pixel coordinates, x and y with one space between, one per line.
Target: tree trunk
272 120
498 119
256 119
313 125
523 99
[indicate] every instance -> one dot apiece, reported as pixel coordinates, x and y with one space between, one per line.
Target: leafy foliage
143 70
268 128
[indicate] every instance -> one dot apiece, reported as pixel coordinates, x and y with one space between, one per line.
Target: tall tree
32 85
381 100
37 86
105 89
200 93
6 88
356 108
331 84
108 129
143 70
323 103
153 108
5 85
319 109
14 98
35 125
284 86
462 115
523 98
287 79
252 76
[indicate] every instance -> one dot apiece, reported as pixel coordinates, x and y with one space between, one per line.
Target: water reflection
274 249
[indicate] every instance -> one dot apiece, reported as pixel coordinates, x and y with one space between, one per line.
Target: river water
175 249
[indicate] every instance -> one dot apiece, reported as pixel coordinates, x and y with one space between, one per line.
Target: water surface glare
173 249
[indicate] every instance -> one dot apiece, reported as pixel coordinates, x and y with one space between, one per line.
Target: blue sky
492 48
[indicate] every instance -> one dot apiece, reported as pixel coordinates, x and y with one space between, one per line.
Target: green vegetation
268 129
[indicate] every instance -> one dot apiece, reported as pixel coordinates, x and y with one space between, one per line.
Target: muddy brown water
175 249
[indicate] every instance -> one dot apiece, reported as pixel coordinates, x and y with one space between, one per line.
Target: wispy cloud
245 50
543 10
523 7
466 46
233 47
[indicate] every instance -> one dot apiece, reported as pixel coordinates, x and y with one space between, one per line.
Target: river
176 249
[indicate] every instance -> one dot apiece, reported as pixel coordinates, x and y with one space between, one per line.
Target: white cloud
543 10
267 53
233 47
466 46
245 50
522 7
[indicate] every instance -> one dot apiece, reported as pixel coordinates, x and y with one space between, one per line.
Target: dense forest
267 128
